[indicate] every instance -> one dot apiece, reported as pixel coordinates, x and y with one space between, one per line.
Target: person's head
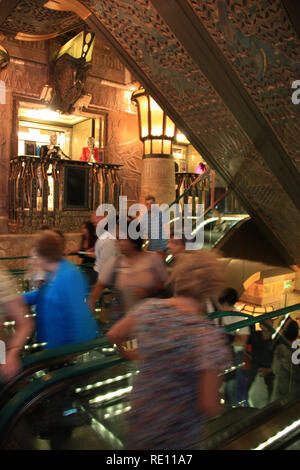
95 219
149 200
176 244
128 245
90 142
88 231
228 297
88 228
49 248
198 275
53 139
291 330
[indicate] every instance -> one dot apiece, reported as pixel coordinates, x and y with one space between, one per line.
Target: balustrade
58 193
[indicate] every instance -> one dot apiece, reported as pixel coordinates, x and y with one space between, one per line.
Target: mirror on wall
36 124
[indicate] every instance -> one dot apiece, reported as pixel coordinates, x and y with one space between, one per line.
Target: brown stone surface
25 77
20 245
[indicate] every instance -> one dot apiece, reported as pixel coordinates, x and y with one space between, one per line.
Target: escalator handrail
10 413
41 359
244 323
258 319
194 183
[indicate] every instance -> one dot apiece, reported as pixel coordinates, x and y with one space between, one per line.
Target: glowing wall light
157 130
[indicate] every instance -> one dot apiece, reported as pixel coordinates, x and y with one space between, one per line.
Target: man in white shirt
106 245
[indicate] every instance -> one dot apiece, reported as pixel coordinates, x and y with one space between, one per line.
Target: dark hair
138 243
149 197
291 331
92 236
229 296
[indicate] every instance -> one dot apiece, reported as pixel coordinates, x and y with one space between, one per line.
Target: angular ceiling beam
97 27
195 39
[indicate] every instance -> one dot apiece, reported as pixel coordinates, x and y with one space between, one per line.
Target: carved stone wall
125 148
20 245
26 79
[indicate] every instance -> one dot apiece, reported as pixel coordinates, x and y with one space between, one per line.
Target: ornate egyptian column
157 133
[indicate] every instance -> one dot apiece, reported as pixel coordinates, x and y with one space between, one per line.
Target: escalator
84 406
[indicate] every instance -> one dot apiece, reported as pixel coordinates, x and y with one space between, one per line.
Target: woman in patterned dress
181 354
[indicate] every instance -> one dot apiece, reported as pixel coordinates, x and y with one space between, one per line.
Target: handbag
258 393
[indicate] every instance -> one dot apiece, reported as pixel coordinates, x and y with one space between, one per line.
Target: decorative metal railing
58 193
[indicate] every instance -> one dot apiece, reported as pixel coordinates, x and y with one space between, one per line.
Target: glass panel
167 147
87 415
157 116
147 150
143 108
170 127
157 146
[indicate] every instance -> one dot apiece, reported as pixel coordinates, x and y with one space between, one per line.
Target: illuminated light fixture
181 138
79 47
157 130
4 58
253 309
46 94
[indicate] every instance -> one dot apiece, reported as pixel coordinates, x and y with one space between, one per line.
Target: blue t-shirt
63 315
152 229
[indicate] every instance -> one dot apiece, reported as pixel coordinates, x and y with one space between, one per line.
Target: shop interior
36 123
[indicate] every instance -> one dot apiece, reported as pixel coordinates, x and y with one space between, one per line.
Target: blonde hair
198 275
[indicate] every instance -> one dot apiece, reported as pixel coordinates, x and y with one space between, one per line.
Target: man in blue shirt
153 226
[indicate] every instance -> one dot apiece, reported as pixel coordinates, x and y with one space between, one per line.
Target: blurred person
12 308
261 352
136 274
63 316
180 353
106 244
34 272
287 374
86 250
88 240
238 340
176 245
201 167
154 226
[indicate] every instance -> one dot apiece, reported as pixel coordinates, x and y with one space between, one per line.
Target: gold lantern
157 130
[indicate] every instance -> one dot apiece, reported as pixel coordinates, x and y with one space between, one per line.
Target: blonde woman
181 354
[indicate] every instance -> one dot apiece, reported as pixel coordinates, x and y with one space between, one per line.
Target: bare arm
119 333
208 391
15 311
240 340
95 294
